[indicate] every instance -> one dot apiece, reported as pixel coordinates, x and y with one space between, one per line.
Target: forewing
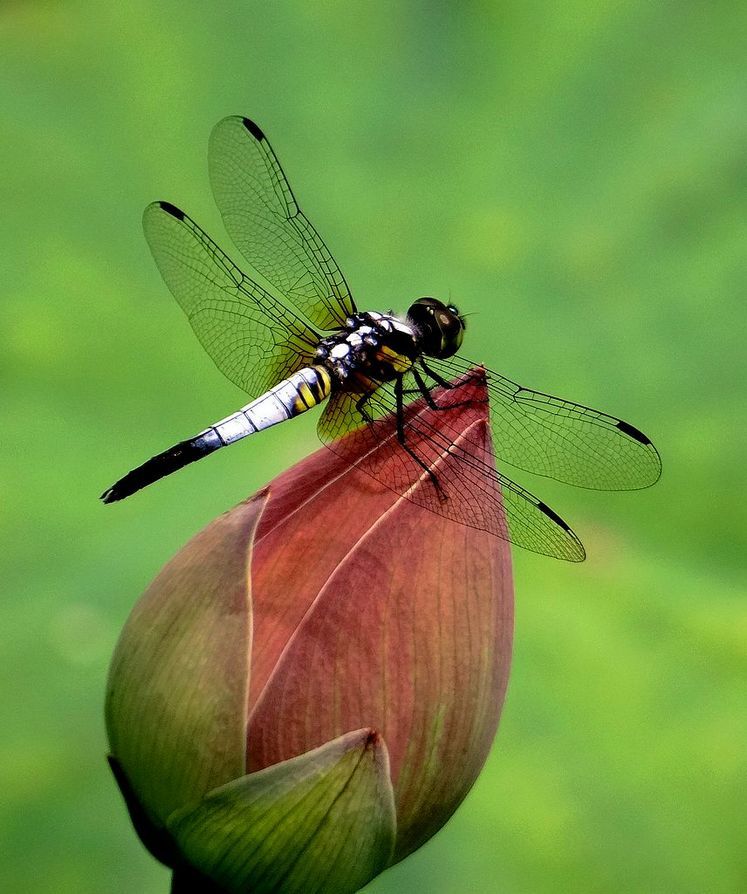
262 217
469 491
252 337
560 439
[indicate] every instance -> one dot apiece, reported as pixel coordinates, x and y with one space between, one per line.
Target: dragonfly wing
262 217
342 415
472 492
559 439
253 338
339 417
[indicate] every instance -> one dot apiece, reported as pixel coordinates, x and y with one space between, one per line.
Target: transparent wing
560 439
252 337
469 491
342 416
262 217
339 417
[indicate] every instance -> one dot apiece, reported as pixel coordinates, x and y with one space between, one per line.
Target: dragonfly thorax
372 346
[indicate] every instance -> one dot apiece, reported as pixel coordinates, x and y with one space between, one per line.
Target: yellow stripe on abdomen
323 382
313 385
305 399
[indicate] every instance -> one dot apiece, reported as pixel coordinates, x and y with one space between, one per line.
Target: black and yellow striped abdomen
314 387
291 397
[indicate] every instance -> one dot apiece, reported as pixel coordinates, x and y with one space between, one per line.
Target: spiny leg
439 380
360 406
399 392
424 390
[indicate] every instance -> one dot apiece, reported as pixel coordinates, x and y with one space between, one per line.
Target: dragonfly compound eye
439 327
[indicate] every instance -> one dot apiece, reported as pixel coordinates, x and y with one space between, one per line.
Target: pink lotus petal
369 610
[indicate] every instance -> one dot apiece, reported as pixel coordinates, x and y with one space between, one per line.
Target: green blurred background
575 173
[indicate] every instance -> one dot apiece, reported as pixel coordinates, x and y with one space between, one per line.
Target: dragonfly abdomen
291 397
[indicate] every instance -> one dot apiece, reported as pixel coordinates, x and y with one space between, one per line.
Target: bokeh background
573 173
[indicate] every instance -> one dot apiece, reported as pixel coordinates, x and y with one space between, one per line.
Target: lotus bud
310 687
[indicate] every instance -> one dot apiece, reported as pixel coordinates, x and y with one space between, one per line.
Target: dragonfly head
439 326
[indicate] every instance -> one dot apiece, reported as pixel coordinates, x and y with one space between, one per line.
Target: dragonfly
299 340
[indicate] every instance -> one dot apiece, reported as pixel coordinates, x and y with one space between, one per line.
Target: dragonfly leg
399 392
440 380
360 406
424 390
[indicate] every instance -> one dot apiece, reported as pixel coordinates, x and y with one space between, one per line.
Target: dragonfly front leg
439 380
399 394
423 389
360 406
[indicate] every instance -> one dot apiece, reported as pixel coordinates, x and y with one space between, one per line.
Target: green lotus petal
155 838
320 822
177 695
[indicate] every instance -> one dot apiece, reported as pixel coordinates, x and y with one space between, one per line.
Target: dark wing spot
172 210
632 432
543 507
253 129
